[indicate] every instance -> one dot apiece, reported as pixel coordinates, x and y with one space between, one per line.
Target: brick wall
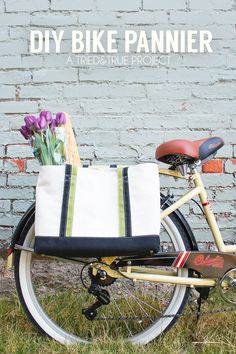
119 113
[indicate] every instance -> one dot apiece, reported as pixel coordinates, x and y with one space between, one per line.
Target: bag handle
71 153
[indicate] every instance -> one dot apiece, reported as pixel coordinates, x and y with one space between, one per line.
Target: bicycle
137 298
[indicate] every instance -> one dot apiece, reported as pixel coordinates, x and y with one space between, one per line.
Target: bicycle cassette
227 286
101 278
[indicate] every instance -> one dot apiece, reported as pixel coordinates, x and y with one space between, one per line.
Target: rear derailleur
103 298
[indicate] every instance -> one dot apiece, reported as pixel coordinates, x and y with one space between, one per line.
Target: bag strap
125 228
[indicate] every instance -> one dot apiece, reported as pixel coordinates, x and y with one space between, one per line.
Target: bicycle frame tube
178 280
198 190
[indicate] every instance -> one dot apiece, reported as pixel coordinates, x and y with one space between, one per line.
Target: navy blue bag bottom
97 246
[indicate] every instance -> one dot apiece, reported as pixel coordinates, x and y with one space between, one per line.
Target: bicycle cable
198 204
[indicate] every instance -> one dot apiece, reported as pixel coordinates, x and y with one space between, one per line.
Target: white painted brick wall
26 5
121 5
211 4
82 5
121 113
51 75
163 4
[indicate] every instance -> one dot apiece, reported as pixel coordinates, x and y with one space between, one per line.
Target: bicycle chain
196 313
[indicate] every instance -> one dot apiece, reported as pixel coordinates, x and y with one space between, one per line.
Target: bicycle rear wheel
53 296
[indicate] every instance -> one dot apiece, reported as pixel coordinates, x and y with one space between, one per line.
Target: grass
212 334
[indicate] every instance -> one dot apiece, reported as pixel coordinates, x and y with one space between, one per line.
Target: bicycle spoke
117 306
143 302
135 298
140 322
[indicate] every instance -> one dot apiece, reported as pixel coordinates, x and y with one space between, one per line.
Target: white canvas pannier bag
91 211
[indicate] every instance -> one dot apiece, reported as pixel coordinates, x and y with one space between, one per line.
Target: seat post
183 169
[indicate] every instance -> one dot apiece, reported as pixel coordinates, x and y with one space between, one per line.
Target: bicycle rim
53 296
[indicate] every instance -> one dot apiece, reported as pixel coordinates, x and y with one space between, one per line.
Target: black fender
22 223
186 226
191 238
31 211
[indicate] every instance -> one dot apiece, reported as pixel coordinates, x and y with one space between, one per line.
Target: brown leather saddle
179 152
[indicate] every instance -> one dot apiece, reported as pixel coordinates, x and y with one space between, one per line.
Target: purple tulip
60 118
26 132
47 115
40 124
53 125
36 125
29 121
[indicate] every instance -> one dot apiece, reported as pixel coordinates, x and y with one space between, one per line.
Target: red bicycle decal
208 261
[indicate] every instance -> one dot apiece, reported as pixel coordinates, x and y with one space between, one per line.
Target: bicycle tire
23 262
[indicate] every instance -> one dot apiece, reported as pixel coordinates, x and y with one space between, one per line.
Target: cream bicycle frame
138 273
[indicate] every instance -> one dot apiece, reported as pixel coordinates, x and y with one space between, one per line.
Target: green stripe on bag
121 202
70 215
